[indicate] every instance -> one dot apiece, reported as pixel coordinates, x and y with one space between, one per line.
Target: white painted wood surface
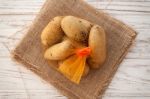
132 80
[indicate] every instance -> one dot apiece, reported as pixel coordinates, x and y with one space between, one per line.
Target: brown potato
52 33
97 43
75 28
60 51
86 70
74 43
65 38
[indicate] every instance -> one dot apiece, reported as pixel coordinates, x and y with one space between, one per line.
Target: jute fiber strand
119 37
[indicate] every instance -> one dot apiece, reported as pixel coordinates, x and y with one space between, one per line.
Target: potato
86 70
65 38
74 43
97 43
52 33
60 51
75 28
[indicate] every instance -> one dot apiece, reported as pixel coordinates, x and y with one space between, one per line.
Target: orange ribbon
73 67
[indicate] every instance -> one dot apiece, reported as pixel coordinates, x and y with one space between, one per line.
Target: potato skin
60 51
97 43
75 28
53 32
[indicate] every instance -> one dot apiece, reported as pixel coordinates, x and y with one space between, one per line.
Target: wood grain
131 81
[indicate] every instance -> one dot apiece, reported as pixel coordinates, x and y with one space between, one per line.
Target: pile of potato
65 34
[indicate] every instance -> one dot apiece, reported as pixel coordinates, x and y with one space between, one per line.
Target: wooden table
132 80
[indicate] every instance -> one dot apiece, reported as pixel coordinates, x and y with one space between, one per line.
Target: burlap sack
119 39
